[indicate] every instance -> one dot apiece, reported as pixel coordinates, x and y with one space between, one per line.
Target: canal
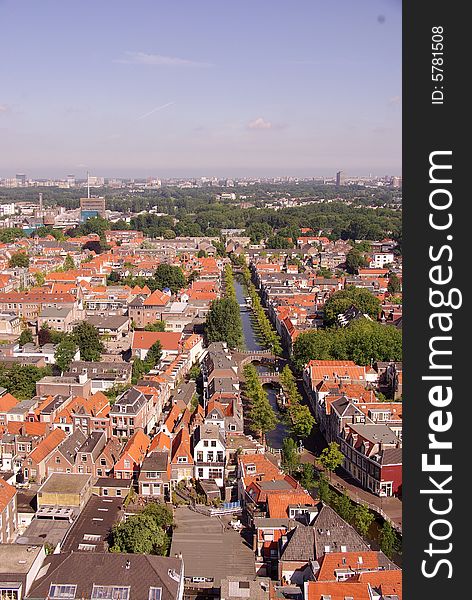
275 437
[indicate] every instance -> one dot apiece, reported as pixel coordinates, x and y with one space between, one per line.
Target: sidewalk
389 507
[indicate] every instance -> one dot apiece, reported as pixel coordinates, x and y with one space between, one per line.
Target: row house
209 452
7 402
133 411
154 477
60 318
323 373
34 464
182 461
86 414
144 310
373 456
132 456
228 416
8 513
103 374
28 305
92 455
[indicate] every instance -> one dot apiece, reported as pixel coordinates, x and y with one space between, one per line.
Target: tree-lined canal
275 437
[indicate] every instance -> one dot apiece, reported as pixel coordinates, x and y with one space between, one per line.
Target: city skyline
247 90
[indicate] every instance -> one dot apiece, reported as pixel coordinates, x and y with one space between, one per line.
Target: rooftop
64 483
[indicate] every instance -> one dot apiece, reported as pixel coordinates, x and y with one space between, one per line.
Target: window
200 473
84 458
87 547
105 491
110 592
127 464
213 444
58 591
58 460
91 537
155 593
10 591
103 462
118 492
214 474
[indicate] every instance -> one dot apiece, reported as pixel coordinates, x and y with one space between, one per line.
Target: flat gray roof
15 558
64 483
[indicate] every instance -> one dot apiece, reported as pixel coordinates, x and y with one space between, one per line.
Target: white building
209 453
380 259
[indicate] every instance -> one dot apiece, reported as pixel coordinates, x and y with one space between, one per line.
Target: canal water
276 437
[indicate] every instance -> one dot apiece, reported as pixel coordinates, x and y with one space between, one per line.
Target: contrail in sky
151 112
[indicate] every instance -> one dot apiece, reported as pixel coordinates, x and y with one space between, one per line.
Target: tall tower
340 178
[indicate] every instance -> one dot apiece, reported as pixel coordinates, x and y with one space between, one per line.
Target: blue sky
200 87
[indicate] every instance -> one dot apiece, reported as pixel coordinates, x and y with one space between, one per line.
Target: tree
145 532
95 246
387 539
39 278
354 261
290 456
65 352
223 322
26 337
331 457
344 507
394 284
362 518
19 259
139 534
44 335
363 341
154 355
114 277
308 479
324 491
156 326
20 380
262 416
341 300
69 264
302 421
168 276
88 340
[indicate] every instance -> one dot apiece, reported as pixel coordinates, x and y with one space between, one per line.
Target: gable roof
143 340
7 492
46 446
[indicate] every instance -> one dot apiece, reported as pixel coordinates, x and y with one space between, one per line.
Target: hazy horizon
187 89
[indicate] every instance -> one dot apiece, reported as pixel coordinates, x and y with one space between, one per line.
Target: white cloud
259 123
4 108
143 58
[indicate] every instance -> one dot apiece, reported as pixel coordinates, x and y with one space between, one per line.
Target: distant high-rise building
92 207
71 180
20 179
340 178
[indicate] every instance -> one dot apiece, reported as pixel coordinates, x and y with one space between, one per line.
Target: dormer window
181 459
